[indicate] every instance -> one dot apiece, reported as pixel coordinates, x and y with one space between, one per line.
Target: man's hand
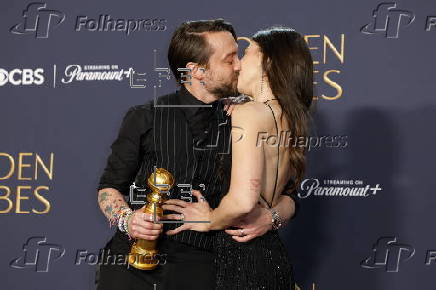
256 223
142 226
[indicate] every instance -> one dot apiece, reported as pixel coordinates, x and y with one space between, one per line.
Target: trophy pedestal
143 255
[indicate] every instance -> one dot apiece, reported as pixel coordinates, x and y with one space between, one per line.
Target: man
186 132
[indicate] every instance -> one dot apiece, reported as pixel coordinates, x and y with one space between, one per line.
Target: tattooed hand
140 224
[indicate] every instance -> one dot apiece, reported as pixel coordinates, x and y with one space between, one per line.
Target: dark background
386 111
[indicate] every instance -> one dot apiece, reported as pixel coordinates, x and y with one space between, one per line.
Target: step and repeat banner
69 71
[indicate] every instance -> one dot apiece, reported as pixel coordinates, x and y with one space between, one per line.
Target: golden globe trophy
143 252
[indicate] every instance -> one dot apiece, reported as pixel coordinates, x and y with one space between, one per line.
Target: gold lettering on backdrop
11 165
306 38
20 197
329 48
6 198
42 200
21 165
31 168
328 43
49 173
333 84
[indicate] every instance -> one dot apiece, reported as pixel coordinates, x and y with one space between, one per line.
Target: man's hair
188 43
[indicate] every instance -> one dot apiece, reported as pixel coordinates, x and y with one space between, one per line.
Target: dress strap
278 159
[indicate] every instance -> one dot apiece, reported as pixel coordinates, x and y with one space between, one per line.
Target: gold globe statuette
144 252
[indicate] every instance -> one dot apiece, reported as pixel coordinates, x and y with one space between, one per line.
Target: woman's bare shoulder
252 112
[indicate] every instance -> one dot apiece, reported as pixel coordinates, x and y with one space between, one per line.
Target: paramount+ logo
21 76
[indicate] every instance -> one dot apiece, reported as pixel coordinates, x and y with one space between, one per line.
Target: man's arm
140 224
120 171
111 201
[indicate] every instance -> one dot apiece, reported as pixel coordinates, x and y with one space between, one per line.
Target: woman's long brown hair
288 65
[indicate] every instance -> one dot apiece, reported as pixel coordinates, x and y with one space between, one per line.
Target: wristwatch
276 220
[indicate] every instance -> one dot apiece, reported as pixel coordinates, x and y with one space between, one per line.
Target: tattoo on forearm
110 204
103 196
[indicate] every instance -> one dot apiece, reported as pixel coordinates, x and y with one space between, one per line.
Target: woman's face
251 69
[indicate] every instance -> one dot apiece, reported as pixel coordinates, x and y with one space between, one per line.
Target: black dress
261 263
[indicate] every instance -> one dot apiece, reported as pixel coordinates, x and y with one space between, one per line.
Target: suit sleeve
126 155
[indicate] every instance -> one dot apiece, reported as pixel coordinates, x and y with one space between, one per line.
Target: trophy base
143 259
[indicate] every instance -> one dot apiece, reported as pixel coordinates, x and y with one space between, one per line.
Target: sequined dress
261 263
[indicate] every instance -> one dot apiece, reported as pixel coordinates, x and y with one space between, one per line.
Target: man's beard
225 91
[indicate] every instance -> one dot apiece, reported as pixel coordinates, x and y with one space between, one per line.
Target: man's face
223 68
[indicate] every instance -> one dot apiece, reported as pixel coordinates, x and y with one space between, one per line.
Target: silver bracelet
276 219
120 224
125 223
122 213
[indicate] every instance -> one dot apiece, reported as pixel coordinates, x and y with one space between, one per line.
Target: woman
277 72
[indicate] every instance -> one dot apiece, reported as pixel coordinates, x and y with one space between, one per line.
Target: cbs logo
24 76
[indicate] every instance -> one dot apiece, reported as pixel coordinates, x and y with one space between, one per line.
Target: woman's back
276 147
272 136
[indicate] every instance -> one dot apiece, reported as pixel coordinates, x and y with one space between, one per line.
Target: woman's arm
247 166
246 176
285 208
259 220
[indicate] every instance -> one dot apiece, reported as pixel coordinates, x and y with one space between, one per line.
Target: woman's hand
195 214
256 223
229 108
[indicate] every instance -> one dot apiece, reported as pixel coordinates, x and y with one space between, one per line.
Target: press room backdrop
368 200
